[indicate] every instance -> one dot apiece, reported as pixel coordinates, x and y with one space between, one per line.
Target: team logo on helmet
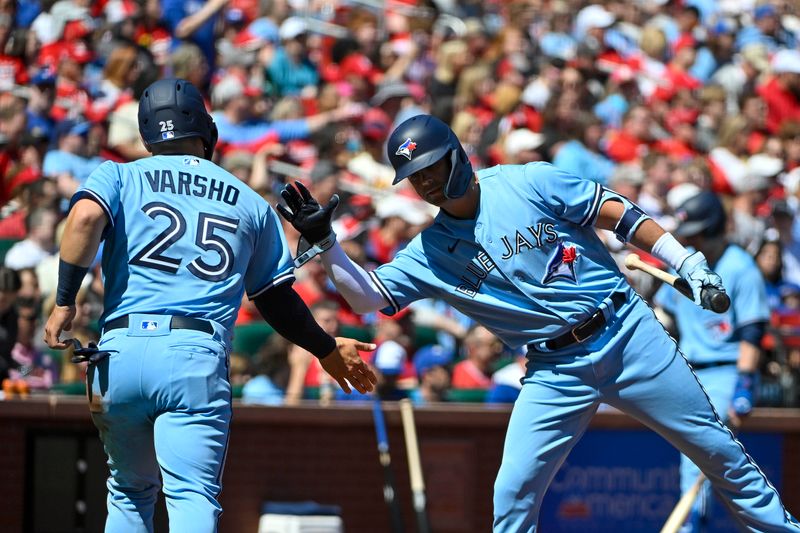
406 148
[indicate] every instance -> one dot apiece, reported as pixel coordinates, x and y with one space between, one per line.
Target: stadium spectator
291 72
40 242
9 323
770 263
432 366
71 163
30 364
270 373
689 91
481 349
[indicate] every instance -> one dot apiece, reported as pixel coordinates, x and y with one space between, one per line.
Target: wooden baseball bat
414 465
389 485
717 300
678 515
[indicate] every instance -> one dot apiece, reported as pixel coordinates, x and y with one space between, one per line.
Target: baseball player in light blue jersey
722 348
514 247
184 240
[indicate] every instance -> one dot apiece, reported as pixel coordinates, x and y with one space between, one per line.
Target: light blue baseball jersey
528 267
708 337
185 237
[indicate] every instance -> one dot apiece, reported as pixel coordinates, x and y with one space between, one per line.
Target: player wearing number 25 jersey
186 219
184 240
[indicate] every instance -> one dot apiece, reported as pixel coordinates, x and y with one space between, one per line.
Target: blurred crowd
657 99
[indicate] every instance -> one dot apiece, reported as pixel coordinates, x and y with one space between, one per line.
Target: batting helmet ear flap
460 172
212 141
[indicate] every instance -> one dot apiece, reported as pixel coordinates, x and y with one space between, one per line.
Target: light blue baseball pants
634 366
162 404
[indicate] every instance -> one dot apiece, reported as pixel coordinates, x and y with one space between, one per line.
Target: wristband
322 347
307 251
70 278
670 251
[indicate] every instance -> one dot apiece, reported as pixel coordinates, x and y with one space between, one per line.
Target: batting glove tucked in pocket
700 277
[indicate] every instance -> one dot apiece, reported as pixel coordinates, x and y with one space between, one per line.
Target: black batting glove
311 219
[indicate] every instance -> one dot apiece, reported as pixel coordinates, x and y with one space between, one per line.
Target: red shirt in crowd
623 147
782 104
468 376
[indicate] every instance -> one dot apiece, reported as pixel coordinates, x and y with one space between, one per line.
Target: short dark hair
9 280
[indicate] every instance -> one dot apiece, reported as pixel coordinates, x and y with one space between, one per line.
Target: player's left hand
306 214
743 398
60 320
700 277
345 365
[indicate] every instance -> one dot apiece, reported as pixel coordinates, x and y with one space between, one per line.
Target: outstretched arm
352 281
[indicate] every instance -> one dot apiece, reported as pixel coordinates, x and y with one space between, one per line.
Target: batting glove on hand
700 277
309 218
306 214
744 393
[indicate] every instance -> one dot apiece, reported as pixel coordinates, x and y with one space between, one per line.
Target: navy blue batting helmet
421 141
174 109
702 214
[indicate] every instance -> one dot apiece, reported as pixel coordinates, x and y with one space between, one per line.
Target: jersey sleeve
569 197
103 186
271 262
400 281
749 298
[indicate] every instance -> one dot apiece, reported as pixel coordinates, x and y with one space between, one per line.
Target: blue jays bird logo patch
562 264
406 148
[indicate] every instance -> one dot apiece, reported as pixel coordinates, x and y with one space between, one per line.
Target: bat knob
631 260
718 301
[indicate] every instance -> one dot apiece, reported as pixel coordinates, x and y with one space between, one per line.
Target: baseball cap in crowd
763 11
786 61
757 55
25 176
390 89
788 289
593 16
390 358
680 193
52 54
43 77
628 173
230 87
261 30
431 356
292 27
760 168
376 124
72 127
522 139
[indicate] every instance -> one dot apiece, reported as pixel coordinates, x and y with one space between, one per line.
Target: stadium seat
5 245
360 333
466 395
248 338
